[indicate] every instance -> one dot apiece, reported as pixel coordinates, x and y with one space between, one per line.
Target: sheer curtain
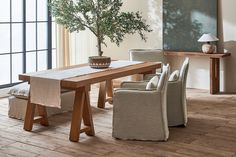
82 45
63 53
74 48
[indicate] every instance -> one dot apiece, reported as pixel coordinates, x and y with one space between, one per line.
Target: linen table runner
45 85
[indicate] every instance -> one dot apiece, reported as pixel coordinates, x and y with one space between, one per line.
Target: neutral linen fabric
174 76
150 55
21 90
45 86
162 83
176 95
45 91
141 114
134 84
152 84
176 98
19 98
17 106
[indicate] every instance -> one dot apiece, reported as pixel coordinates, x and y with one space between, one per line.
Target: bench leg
29 115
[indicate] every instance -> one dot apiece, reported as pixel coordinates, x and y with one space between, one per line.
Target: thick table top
109 74
196 54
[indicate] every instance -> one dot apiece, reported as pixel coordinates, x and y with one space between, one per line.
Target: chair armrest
134 84
124 100
137 94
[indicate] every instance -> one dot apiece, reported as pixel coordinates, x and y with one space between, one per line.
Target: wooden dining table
81 86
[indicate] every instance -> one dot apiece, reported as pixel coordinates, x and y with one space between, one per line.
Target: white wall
229 34
198 74
199 67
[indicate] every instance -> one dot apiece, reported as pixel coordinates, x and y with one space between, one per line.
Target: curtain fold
63 47
82 45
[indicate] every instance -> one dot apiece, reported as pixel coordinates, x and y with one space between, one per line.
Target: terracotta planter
99 62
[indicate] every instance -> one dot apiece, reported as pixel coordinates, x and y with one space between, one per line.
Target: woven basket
99 62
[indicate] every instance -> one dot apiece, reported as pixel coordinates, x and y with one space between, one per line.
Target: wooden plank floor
211 132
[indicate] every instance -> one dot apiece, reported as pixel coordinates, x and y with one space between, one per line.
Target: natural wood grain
87 115
43 113
109 87
29 116
102 95
26 76
214 66
79 84
105 93
109 74
214 75
211 132
196 54
77 114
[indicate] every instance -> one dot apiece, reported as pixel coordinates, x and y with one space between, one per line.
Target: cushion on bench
19 97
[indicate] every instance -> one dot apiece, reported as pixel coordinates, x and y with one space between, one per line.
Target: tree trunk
98 32
99 47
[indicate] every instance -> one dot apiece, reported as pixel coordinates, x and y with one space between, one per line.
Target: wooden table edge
196 54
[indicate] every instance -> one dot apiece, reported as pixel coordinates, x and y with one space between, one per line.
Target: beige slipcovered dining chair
140 112
150 55
176 95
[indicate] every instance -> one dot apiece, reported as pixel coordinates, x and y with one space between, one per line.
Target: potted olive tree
103 18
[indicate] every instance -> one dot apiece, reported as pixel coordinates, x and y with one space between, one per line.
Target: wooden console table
214 66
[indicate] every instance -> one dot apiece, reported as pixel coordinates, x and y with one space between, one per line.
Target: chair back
148 55
163 81
151 55
183 79
183 76
162 87
184 70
